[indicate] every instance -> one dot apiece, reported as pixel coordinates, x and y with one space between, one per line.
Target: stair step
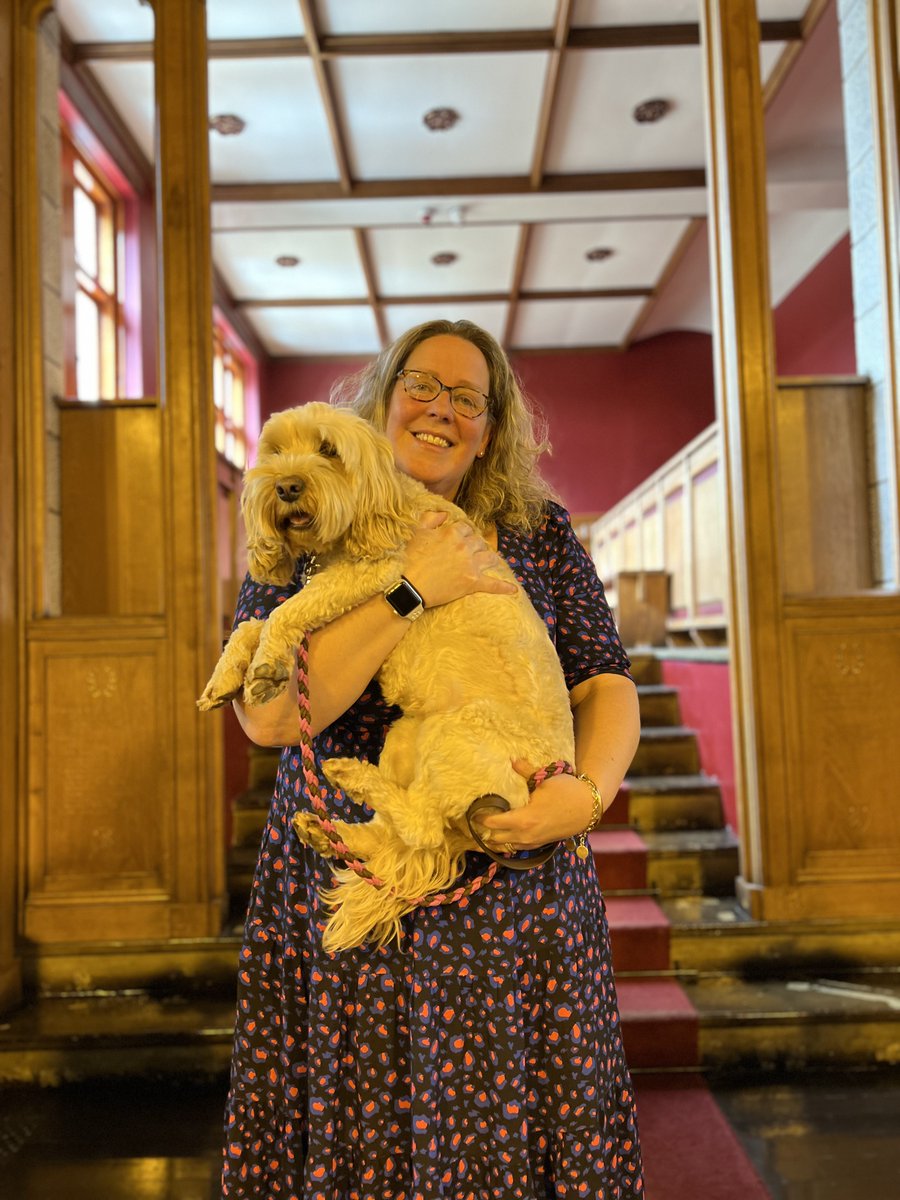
659 704
251 808
645 667
717 934
638 934
692 861
669 802
834 1020
659 1023
620 856
666 751
263 766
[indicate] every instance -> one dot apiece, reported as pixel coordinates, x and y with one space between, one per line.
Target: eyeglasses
421 386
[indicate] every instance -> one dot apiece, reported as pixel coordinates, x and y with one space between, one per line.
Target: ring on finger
509 848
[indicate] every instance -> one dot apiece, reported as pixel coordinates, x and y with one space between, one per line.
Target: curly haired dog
478 681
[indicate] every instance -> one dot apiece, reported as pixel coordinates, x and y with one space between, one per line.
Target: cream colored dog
478 681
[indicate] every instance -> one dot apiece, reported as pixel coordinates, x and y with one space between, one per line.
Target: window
229 394
94 327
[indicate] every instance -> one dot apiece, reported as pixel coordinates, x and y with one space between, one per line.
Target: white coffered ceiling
337 168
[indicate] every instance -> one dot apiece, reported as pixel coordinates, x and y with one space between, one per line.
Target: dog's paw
310 832
265 681
223 686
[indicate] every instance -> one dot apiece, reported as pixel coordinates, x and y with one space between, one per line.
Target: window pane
87 347
237 402
229 387
218 381
85 233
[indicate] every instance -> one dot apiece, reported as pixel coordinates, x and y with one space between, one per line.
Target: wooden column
10 642
116 836
815 676
189 458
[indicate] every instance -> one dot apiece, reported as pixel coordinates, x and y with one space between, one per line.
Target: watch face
403 598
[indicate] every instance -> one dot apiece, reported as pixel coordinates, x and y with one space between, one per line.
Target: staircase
701 986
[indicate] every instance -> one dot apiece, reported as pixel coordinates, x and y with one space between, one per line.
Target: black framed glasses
421 386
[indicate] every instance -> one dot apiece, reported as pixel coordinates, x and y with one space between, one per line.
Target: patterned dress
481 1059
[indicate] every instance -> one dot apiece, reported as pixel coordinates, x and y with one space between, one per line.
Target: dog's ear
382 520
268 558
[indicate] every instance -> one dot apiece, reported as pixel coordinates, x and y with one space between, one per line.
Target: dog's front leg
227 679
329 595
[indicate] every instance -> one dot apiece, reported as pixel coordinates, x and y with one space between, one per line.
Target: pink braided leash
317 795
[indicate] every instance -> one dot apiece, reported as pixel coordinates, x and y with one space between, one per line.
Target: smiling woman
397 1069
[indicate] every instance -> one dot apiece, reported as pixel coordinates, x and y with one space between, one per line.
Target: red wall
705 697
814 324
613 417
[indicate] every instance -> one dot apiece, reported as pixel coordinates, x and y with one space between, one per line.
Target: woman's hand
445 560
560 807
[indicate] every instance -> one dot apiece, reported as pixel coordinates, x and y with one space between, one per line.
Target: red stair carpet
690 1151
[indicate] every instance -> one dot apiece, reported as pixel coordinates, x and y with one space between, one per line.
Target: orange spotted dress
481 1058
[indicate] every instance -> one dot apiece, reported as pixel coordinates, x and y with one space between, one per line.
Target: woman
481 1058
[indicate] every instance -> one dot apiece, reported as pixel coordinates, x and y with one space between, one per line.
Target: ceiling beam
609 37
326 94
372 298
473 185
629 293
515 290
551 87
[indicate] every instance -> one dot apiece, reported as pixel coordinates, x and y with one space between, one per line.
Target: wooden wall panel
112 511
823 487
100 786
843 751
709 560
675 555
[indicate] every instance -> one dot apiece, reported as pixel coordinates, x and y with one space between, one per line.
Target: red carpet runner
690 1150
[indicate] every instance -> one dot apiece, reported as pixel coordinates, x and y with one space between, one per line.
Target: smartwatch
405 600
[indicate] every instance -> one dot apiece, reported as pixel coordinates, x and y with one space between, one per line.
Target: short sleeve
587 640
259 599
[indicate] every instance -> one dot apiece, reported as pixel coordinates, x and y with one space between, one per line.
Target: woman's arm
607 730
443 562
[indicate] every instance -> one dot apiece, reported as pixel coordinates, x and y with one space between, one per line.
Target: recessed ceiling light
228 124
652 111
444 258
441 118
287 260
598 254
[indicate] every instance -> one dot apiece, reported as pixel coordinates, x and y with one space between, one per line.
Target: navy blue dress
482 1058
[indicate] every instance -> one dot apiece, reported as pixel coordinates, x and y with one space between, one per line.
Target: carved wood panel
100 813
843 807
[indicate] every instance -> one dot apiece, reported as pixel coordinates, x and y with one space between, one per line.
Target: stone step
836 1019
715 934
666 751
667 802
659 704
721 1022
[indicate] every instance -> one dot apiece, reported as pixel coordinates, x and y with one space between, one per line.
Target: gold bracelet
579 842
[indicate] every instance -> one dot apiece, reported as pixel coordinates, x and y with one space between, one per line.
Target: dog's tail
363 913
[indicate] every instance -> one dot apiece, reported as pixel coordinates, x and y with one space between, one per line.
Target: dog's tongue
300 520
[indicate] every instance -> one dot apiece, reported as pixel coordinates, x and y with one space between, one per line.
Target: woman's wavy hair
505 486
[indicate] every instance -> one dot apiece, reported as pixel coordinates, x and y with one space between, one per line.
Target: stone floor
811 1137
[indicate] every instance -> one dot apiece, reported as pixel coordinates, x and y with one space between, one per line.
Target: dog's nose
289 488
